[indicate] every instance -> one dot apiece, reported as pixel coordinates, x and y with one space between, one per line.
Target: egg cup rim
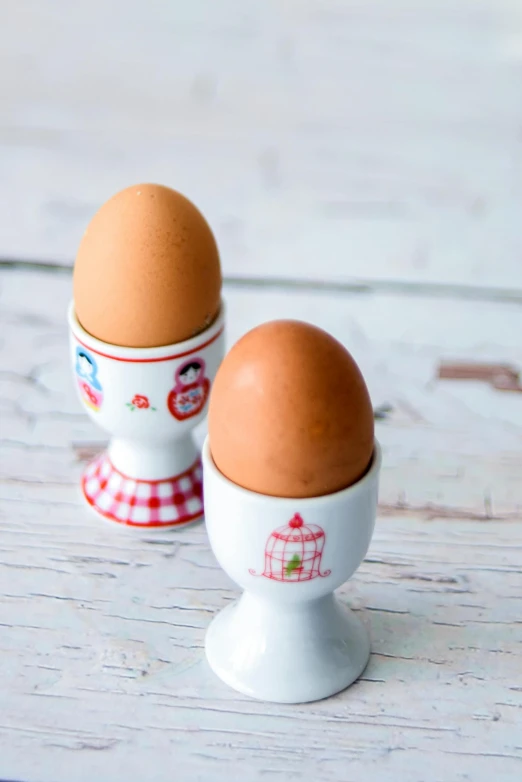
370 476
110 350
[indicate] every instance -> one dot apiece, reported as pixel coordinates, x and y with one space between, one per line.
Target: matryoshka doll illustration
90 387
190 393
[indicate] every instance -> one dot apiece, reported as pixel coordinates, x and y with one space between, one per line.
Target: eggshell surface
290 414
147 272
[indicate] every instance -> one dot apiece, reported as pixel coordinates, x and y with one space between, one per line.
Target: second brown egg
290 414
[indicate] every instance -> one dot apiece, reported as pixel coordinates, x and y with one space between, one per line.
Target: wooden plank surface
450 446
101 631
323 139
376 148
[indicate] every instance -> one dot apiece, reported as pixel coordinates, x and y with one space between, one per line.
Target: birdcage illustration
293 552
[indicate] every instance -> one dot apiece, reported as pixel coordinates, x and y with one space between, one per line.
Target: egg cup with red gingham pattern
288 639
149 400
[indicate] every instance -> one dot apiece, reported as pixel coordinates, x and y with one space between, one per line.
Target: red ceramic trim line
152 360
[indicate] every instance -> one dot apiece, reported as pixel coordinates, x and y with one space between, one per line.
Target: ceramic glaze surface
288 639
284 656
148 400
128 391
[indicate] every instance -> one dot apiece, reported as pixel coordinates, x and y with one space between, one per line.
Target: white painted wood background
372 144
352 139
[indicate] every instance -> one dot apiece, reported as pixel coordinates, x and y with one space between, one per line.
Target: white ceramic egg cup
149 400
288 639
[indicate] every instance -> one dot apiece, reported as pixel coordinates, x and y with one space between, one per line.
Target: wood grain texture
334 139
102 631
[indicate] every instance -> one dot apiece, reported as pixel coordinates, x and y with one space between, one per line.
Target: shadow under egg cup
288 639
149 400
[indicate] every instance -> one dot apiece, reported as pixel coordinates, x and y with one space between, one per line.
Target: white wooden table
375 150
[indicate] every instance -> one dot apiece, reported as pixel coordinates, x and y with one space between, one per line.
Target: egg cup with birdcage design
288 639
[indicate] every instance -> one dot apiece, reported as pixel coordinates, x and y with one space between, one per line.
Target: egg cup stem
152 461
300 652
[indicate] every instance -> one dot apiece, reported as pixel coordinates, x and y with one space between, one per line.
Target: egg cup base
293 653
142 504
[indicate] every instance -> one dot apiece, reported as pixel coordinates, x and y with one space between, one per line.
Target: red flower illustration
141 401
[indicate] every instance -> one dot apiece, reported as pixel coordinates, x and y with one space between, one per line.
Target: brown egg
290 414
147 271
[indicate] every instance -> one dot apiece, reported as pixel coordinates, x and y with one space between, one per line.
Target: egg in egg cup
290 471
288 639
149 400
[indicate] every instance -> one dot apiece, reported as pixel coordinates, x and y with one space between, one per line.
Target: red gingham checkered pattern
140 503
